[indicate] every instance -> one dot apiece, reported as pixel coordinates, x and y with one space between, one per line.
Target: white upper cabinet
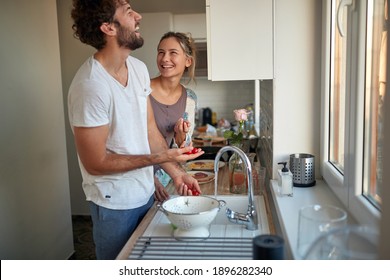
192 23
239 39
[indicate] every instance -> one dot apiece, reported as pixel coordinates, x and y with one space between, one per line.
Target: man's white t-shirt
96 99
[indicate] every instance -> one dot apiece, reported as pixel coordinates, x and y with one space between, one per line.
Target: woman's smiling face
171 58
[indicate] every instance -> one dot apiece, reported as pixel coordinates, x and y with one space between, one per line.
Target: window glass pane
375 91
337 89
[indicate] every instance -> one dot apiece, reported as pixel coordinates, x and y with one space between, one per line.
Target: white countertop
287 209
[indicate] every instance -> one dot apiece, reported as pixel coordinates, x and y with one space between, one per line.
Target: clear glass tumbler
315 220
347 243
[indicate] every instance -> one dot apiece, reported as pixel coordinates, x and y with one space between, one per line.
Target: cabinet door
240 39
192 23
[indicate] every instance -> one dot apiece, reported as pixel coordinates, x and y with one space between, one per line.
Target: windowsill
287 209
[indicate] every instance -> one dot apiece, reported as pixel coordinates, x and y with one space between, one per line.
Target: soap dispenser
285 180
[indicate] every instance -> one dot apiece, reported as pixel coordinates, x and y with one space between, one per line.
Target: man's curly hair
89 15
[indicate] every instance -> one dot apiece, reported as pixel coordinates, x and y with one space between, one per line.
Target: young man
116 136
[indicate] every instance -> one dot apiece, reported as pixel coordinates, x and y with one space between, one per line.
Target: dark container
268 247
207 116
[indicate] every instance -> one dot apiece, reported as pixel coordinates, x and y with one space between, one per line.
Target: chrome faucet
250 219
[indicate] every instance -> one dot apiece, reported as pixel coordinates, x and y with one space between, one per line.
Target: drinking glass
347 243
315 220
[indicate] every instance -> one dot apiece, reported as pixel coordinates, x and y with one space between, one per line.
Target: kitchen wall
297 82
223 97
35 212
73 54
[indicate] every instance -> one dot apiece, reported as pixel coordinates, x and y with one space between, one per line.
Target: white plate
205 164
209 176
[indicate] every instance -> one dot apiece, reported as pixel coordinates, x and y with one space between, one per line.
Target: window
375 77
338 63
354 64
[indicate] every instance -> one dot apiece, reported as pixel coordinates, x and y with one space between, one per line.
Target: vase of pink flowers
237 172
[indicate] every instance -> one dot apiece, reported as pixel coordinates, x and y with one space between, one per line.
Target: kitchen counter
287 209
154 216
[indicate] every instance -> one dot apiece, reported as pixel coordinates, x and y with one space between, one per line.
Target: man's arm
91 148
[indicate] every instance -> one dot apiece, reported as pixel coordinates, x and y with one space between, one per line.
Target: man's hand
184 154
186 185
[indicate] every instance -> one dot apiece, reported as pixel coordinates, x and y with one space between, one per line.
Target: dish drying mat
212 248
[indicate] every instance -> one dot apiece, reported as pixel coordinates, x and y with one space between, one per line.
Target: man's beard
129 39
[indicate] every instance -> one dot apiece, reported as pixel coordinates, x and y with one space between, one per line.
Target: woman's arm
183 182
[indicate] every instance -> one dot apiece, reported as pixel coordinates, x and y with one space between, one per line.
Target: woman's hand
160 193
181 128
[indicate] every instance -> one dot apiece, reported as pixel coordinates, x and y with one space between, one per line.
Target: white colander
191 215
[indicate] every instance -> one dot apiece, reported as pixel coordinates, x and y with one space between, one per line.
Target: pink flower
241 115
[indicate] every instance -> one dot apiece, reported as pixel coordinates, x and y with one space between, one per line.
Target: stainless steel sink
220 227
239 203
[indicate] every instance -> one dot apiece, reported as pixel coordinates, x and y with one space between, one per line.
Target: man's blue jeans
113 228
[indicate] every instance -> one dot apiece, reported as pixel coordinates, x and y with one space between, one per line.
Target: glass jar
237 174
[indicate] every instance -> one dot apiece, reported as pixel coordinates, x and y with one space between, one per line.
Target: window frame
348 187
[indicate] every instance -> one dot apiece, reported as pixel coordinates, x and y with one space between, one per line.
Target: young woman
173 104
